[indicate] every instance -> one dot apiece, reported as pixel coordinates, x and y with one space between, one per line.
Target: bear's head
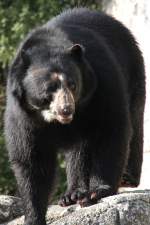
49 77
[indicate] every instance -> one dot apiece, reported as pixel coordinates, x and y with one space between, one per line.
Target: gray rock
128 208
131 208
10 208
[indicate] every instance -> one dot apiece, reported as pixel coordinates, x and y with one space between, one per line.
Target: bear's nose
66 111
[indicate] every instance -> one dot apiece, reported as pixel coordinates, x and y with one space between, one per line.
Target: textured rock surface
129 208
10 207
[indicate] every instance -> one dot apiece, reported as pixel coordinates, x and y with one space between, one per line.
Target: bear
76 85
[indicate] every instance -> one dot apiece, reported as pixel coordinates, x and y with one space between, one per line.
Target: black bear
77 84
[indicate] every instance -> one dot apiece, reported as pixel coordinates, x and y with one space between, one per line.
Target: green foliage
17 18
61 183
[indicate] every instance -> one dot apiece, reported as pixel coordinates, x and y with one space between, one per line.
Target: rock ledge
132 208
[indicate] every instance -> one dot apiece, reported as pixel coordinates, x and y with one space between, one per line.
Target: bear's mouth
64 119
49 117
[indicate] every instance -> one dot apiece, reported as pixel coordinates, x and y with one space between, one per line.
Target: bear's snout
66 111
65 114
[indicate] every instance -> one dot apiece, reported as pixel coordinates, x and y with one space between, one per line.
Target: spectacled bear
77 84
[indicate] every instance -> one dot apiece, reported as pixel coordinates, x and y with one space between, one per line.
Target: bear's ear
76 50
25 58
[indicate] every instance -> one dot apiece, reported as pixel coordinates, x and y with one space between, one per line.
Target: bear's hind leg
131 176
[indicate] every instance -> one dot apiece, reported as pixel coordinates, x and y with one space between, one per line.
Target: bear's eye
53 87
46 101
72 85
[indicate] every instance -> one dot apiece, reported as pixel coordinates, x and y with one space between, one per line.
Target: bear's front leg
33 163
34 187
77 169
109 158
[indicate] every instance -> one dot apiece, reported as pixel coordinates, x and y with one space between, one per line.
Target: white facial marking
60 98
61 77
48 116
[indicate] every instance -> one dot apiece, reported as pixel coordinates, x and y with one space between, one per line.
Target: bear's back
107 29
104 25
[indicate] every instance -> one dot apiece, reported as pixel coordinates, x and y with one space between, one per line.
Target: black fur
105 138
